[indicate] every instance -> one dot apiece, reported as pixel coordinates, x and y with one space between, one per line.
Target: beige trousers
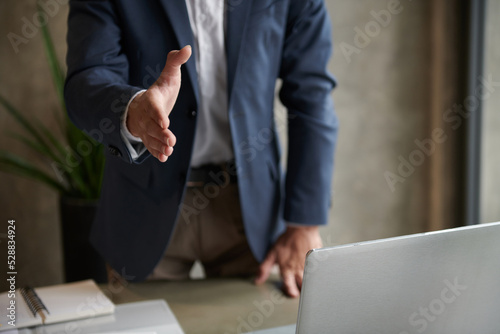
209 229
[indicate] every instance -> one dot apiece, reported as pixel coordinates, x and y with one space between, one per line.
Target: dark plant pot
81 260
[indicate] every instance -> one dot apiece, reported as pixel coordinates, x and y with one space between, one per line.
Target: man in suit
221 196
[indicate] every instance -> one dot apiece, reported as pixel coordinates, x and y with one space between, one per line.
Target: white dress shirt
212 142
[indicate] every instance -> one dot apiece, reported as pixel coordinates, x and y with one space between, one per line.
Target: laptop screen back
438 282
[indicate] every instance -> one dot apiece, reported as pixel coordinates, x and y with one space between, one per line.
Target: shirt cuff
134 144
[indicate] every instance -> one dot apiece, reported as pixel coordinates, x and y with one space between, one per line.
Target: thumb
265 267
172 71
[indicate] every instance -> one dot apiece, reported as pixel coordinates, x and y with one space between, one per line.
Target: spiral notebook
52 304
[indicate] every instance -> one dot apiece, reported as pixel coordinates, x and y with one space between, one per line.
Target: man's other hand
289 252
148 114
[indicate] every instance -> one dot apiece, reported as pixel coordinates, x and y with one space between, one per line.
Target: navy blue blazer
117 47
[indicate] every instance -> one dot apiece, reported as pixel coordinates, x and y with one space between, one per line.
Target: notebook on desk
28 307
444 282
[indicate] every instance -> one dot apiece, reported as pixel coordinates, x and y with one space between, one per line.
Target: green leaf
72 176
69 174
55 68
27 126
81 142
52 139
83 178
15 165
35 146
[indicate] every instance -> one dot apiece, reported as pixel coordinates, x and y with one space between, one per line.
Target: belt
218 174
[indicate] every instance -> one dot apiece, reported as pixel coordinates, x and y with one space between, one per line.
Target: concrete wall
490 180
25 80
382 102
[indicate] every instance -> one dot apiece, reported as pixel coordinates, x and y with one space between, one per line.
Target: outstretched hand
289 252
148 114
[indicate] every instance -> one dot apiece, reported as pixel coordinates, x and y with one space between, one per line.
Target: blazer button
114 151
192 114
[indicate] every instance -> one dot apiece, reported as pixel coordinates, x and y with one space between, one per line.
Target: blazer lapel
237 17
176 11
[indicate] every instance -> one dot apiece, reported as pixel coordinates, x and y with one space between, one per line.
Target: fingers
159 142
172 71
150 128
158 148
298 279
290 284
290 275
148 114
266 267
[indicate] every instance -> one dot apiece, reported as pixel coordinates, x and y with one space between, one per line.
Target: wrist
132 107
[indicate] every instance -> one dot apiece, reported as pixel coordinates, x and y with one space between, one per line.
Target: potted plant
77 164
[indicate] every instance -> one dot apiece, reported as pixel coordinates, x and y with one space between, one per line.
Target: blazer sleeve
312 122
96 89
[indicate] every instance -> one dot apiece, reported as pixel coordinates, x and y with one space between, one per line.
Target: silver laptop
438 282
